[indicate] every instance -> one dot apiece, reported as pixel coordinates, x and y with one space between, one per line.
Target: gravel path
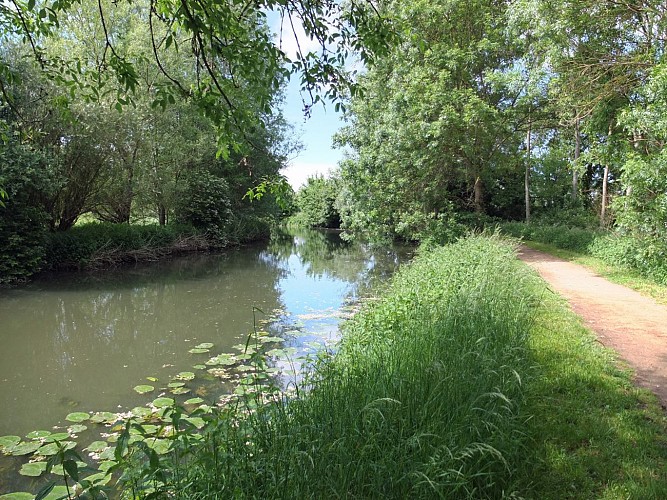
633 325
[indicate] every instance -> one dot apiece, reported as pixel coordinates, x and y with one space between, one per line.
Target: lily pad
77 417
151 379
199 367
97 446
58 436
194 401
185 376
104 416
271 339
106 465
107 454
180 390
161 446
173 385
7 441
19 495
24 448
77 428
163 402
38 434
99 479
196 421
198 350
143 389
204 345
222 359
57 493
33 469
51 449
141 411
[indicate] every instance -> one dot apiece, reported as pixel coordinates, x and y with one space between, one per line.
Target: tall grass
423 399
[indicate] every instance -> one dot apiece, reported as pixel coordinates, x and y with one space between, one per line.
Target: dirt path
634 325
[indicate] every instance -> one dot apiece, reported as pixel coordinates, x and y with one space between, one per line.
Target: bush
28 178
99 244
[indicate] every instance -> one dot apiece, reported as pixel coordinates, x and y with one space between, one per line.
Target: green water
81 342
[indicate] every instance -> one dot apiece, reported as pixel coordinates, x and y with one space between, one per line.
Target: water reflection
82 341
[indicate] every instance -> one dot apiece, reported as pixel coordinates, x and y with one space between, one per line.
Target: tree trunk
162 215
527 173
603 209
577 154
479 202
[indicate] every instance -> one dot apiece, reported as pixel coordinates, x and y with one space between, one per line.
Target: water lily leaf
77 428
173 385
33 469
52 448
194 401
104 416
198 350
38 434
185 376
271 339
180 390
106 465
107 455
57 493
143 389
196 421
58 436
163 402
141 412
199 367
222 359
245 368
77 417
24 448
204 345
97 446
8 441
152 379
161 446
19 495
99 479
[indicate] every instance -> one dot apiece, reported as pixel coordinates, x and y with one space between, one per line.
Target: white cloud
286 40
297 173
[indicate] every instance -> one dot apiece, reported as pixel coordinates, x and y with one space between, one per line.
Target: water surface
81 342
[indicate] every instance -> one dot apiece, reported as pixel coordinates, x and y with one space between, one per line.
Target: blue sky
318 156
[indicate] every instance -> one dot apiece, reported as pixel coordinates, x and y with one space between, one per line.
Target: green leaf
185 376
8 441
163 402
38 434
143 389
204 345
198 350
24 448
33 469
194 401
59 436
19 495
97 446
76 428
77 417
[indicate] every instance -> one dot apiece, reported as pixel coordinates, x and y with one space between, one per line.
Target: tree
228 45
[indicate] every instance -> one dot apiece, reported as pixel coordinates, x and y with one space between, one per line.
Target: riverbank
467 379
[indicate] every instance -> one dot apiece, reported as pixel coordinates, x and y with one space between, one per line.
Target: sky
317 157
